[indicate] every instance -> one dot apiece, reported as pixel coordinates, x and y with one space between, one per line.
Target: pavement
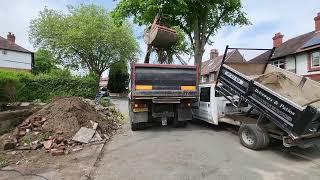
199 151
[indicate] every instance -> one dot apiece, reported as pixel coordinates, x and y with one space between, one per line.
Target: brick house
211 67
300 54
13 56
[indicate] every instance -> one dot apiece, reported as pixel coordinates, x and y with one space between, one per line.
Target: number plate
140 109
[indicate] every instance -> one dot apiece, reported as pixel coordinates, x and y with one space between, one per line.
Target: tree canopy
86 37
45 62
199 19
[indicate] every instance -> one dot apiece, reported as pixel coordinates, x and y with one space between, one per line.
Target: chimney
277 39
214 53
317 22
11 38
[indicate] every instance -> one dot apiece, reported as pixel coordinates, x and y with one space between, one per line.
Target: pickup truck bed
289 101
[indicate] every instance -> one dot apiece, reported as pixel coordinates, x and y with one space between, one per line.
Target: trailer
266 102
161 93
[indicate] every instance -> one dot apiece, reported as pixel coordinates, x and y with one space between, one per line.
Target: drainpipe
295 64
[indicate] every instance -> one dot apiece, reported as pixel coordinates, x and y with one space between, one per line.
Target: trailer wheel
253 137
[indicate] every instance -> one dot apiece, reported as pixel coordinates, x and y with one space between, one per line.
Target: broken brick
59 132
37 124
22 133
57 152
59 139
9 145
36 146
48 144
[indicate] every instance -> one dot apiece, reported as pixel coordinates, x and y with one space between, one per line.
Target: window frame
311 59
206 97
310 63
279 63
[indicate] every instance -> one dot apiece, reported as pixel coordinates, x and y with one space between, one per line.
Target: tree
86 38
44 62
199 19
118 77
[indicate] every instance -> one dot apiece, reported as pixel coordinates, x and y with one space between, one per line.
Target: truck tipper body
161 94
266 102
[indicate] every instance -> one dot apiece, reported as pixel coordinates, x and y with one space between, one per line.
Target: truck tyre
137 126
253 137
179 124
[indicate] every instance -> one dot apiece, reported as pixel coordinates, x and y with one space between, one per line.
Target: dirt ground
75 166
61 118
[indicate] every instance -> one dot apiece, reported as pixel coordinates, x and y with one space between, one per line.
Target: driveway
200 152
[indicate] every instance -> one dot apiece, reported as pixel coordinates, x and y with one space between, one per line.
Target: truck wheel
137 126
178 124
253 137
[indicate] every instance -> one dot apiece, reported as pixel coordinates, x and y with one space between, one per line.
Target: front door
204 105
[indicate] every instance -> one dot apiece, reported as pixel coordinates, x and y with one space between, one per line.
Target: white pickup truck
266 102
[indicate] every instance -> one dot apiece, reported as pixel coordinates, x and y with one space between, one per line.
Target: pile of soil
283 85
67 115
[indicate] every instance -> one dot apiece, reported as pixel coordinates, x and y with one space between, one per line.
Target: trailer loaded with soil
287 104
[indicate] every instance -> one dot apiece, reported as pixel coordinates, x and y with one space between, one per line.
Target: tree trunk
98 78
198 48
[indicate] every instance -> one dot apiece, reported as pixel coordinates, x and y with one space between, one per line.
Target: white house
13 56
300 54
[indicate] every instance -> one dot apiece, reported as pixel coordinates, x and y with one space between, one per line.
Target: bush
118 77
105 101
10 85
17 86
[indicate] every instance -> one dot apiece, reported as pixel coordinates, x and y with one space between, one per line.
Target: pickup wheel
253 137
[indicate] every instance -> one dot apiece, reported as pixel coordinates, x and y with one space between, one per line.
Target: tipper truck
161 93
266 102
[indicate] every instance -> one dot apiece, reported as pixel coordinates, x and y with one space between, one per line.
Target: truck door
204 105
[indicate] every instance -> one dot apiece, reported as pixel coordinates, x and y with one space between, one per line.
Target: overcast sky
290 17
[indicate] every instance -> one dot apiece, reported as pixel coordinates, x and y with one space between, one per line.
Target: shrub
105 101
118 77
16 86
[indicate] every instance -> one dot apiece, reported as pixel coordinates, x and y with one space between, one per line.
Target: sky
290 17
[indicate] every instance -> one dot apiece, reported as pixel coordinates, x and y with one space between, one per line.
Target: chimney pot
317 22
277 39
11 38
214 53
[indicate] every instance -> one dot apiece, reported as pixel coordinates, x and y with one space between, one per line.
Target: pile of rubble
63 125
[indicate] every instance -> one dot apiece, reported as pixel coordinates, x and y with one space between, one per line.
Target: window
315 59
205 94
211 77
279 64
205 78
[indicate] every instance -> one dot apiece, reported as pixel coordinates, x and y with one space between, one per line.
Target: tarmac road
199 152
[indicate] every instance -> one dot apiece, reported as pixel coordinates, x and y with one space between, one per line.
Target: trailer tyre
253 137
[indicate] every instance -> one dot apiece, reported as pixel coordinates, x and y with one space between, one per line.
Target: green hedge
22 86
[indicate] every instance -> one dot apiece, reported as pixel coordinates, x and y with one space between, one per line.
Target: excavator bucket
161 36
